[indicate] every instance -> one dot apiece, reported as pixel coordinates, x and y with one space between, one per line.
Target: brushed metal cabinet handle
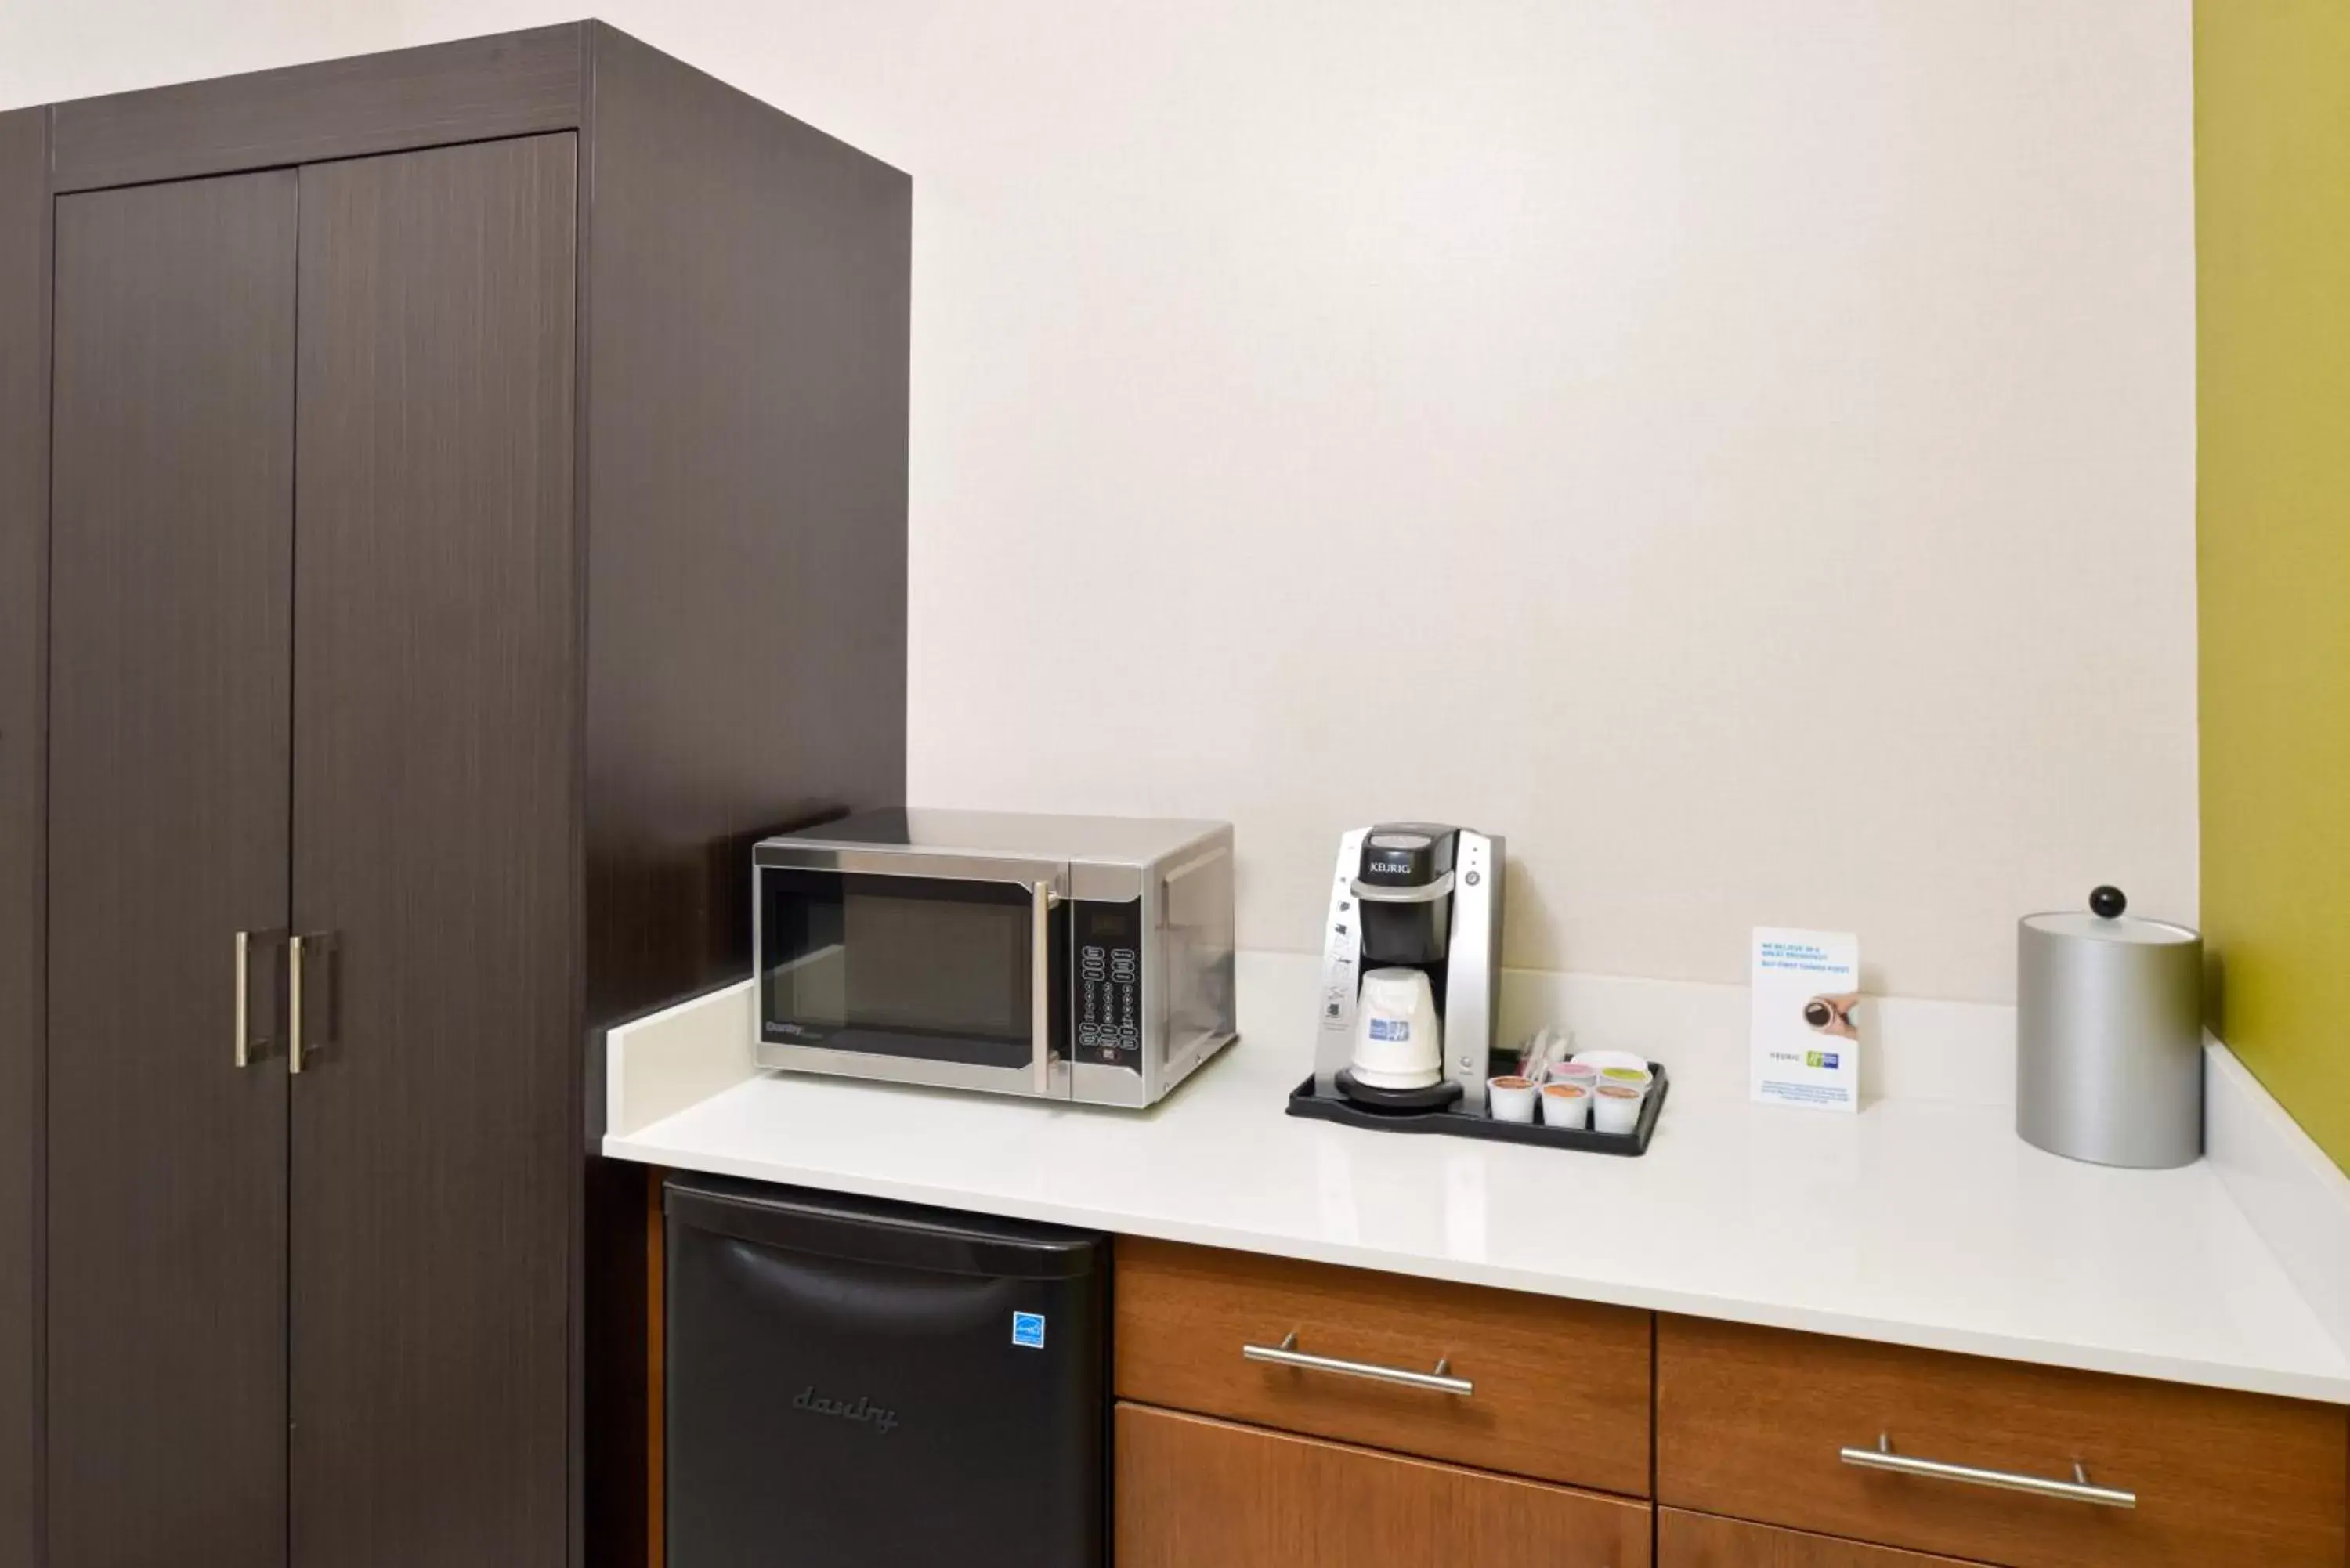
243 1005
294 1004
1286 1354
326 947
2077 1490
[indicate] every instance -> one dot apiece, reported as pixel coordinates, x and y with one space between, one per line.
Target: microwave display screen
1109 983
928 968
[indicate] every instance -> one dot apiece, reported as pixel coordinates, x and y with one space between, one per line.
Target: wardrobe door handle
242 1006
293 1003
320 945
244 973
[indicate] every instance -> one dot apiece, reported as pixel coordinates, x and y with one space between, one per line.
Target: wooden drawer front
1749 1423
1700 1540
1561 1388
1197 1493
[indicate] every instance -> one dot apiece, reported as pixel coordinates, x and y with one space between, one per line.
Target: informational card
1807 1049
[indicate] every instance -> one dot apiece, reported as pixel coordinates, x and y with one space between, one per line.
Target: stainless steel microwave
1068 958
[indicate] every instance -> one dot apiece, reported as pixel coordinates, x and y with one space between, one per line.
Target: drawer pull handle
1286 1354
2077 1490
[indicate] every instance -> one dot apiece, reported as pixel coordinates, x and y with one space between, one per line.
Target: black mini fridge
858 1383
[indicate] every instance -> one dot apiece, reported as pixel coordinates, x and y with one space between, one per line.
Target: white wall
55 50
1742 451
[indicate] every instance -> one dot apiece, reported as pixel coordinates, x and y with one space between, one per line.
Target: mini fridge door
853 1382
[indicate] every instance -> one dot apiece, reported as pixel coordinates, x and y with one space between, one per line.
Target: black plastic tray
1305 1102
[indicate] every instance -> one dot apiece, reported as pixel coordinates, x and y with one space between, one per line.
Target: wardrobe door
171 562
434 1143
23 834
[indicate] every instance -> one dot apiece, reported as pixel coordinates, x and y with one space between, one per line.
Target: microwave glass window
928 968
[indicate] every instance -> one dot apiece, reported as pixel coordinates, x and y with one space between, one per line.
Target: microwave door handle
1040 982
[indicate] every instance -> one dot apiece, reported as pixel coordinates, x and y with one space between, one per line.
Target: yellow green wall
2272 243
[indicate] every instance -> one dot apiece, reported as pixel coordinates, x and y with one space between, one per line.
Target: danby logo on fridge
861 1410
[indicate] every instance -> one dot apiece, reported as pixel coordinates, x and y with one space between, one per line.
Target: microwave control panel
1108 941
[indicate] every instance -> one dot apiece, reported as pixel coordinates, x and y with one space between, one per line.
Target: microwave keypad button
1108 939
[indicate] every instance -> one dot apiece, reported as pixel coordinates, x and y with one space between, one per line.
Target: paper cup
1628 1077
1615 1108
1510 1099
1565 1105
1582 1072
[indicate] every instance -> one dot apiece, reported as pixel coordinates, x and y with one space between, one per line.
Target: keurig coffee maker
1411 968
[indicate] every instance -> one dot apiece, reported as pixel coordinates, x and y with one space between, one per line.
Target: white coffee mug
1398 1040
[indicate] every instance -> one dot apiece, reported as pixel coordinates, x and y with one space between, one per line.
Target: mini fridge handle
940 1240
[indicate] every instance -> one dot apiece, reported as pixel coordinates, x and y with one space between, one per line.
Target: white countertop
1914 1222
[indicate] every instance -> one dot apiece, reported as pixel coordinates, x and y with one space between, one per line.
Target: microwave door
915 968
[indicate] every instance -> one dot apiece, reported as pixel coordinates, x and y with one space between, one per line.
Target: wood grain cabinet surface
1200 1493
25 250
1562 1388
170 590
508 84
1751 1423
435 643
477 514
1700 1540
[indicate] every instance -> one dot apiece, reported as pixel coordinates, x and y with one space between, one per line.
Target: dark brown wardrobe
451 503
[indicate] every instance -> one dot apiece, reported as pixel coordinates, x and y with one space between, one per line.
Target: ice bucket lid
2105 921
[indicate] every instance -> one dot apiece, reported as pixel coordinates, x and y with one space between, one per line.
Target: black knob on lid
2107 903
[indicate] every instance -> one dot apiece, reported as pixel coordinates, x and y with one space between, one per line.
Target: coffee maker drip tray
1387 1102
1435 1109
